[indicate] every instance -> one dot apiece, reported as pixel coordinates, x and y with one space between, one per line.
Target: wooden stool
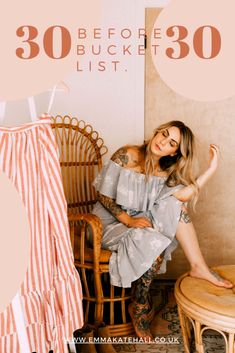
207 307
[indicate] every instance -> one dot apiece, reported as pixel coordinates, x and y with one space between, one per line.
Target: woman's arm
122 216
125 158
187 192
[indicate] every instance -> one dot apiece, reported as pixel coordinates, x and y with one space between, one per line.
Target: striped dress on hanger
50 294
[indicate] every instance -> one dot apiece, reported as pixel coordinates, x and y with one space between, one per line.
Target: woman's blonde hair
178 167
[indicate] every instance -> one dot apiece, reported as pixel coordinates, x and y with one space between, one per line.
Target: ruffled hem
136 250
53 316
38 340
167 256
129 188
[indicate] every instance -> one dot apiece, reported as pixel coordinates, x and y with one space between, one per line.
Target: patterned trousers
141 301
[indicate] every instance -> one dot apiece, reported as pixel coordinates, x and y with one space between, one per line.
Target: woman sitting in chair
142 193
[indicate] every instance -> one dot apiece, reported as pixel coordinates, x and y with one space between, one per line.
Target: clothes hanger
2 111
60 87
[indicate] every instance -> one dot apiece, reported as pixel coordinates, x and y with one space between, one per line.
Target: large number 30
33 49
198 41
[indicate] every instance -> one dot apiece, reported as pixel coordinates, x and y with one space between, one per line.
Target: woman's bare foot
140 324
211 276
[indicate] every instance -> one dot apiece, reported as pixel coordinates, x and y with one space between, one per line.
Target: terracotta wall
214 122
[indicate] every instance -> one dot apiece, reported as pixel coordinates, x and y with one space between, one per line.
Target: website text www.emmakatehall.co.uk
124 340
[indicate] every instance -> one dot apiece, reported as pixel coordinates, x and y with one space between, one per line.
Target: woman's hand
139 222
214 157
185 194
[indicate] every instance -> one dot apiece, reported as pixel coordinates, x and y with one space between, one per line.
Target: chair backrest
81 150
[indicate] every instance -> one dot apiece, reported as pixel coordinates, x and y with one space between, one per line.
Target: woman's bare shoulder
127 156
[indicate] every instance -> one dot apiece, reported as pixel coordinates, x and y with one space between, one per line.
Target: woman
141 197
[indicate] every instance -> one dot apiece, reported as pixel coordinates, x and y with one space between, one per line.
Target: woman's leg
140 308
186 236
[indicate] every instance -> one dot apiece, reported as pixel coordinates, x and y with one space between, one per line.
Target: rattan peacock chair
81 151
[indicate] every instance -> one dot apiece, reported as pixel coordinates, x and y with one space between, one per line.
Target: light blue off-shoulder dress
133 249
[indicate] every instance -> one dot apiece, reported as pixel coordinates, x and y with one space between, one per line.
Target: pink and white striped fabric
51 294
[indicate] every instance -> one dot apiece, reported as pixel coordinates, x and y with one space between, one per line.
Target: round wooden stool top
206 306
207 303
